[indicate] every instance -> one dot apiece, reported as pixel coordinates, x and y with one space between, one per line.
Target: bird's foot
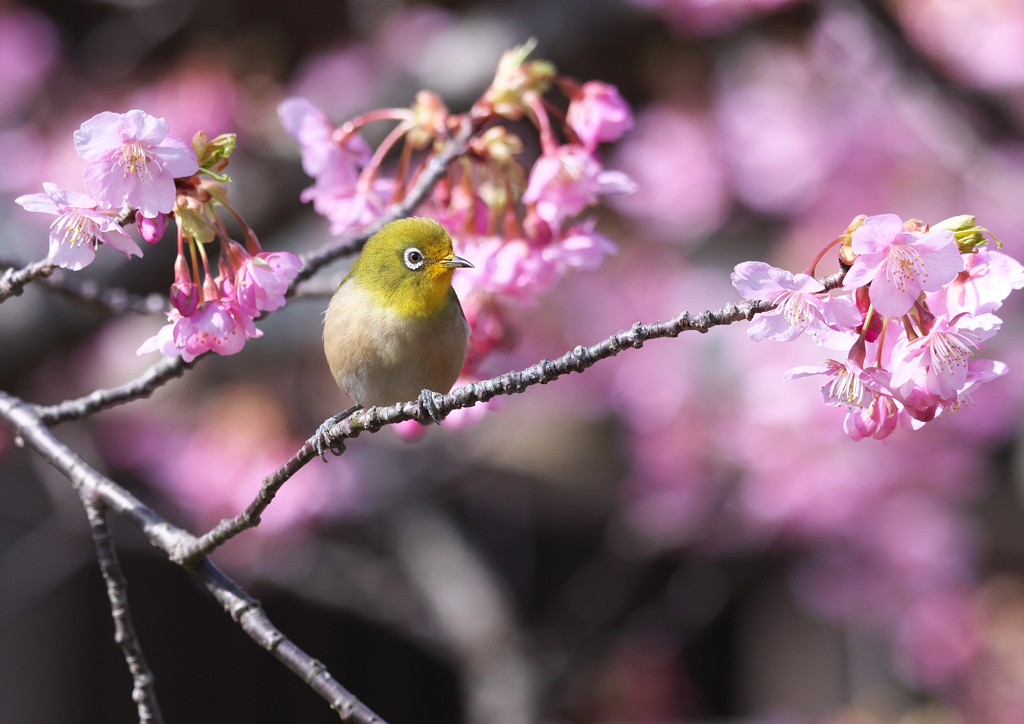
320 439
427 400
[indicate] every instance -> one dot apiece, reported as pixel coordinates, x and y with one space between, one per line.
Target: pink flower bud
152 230
599 114
184 294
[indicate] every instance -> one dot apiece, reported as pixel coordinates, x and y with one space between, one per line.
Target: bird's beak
455 262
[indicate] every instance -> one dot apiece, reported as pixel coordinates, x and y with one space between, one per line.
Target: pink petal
807 371
99 137
773 326
176 157
151 197
888 300
106 186
139 125
796 282
615 183
120 241
877 233
38 202
934 240
754 280
864 269
841 313
70 257
942 266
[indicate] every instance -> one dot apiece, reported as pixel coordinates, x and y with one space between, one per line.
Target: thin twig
435 168
374 418
143 691
29 429
166 369
13 281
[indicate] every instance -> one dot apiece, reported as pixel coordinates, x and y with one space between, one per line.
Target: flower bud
497 144
969 236
152 230
915 226
213 155
846 253
184 294
515 77
431 118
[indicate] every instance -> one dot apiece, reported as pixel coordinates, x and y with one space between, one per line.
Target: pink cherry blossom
801 304
579 248
870 412
79 227
938 361
599 114
261 280
563 183
348 207
514 268
217 326
323 158
131 158
899 264
987 279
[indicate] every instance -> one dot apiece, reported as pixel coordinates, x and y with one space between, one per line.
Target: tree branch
90 294
24 422
545 371
13 281
166 369
143 691
435 168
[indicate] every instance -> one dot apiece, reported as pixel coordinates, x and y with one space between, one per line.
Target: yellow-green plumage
391 330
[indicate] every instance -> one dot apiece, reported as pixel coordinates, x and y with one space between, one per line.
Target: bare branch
143 691
166 369
13 281
96 296
545 371
112 300
428 178
29 429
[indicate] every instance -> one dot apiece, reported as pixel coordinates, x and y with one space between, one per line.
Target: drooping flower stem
403 170
345 130
195 262
881 342
539 116
570 135
370 172
809 271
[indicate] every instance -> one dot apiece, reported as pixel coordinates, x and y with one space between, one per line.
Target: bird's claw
322 435
427 400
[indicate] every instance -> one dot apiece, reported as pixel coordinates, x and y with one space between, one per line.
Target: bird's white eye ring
414 258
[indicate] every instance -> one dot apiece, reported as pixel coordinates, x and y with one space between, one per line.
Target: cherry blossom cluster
521 230
134 167
916 303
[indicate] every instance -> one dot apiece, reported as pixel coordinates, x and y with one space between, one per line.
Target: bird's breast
380 356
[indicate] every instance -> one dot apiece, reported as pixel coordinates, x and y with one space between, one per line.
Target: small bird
395 329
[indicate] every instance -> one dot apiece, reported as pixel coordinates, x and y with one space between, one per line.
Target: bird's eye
413 258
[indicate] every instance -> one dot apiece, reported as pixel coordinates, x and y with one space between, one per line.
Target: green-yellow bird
395 329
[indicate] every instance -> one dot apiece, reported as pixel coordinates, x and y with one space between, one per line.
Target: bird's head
408 266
